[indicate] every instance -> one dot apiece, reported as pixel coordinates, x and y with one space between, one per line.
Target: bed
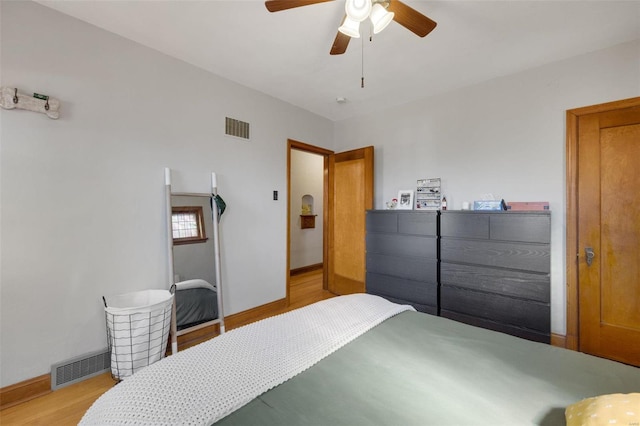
362 360
196 303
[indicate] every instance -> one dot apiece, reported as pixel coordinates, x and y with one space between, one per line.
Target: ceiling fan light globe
350 27
380 18
358 10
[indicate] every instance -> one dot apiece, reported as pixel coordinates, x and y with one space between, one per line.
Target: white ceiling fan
380 12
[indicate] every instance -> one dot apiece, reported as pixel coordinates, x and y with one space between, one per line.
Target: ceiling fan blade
278 5
340 44
410 18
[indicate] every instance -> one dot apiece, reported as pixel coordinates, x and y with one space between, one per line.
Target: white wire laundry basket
138 327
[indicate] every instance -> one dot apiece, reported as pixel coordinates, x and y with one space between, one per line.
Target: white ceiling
286 54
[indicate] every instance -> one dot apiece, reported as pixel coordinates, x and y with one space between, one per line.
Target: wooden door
608 226
351 195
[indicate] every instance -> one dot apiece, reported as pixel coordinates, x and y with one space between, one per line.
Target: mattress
204 383
397 367
419 369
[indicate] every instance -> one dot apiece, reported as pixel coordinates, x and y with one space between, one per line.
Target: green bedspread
419 369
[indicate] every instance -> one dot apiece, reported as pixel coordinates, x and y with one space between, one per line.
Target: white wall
506 137
82 197
307 174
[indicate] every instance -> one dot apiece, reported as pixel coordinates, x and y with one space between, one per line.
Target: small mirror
194 259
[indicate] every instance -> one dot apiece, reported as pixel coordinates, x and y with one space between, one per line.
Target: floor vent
79 369
237 128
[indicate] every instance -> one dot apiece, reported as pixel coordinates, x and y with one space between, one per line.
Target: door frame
572 249
327 194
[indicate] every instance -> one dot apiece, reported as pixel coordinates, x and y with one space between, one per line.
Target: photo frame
405 199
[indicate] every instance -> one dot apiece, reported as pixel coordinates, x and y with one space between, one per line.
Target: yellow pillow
615 409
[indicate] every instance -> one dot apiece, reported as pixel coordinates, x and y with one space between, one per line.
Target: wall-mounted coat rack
11 98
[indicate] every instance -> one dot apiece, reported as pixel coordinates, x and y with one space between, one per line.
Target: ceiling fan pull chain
362 73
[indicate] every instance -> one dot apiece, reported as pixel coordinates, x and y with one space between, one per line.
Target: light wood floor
66 406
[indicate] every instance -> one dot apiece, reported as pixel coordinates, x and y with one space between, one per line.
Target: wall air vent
237 128
80 368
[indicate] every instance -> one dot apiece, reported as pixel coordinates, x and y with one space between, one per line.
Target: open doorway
347 195
307 213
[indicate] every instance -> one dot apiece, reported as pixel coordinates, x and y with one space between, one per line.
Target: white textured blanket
202 384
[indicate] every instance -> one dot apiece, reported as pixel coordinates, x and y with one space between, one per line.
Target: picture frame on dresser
405 199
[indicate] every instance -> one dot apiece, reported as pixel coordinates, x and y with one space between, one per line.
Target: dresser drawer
464 225
522 256
517 227
412 291
507 282
501 309
418 223
412 268
382 221
403 245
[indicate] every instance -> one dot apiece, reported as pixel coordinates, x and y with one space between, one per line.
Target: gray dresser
488 269
402 257
494 271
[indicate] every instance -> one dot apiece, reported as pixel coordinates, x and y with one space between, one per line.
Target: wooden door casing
301 146
348 177
603 212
